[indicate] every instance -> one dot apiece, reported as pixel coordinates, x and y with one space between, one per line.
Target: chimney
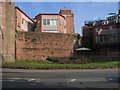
65 11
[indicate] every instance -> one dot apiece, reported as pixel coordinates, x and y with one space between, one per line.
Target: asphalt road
96 78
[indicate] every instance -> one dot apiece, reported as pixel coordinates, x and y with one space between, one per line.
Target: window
50 22
64 26
44 22
101 38
110 28
104 38
55 22
105 22
22 21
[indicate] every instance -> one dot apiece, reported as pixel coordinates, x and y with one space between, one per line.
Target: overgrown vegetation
45 64
67 60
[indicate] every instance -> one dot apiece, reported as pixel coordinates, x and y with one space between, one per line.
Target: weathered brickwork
7 32
69 19
0 33
39 46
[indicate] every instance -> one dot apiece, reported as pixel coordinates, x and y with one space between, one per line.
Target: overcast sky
82 10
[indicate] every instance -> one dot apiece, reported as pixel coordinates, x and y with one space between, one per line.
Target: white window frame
50 31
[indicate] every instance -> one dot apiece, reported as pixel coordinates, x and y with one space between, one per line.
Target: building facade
56 23
23 22
69 19
87 39
32 44
108 32
7 32
103 36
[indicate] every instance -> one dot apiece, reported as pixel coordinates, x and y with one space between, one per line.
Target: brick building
69 19
56 23
103 36
50 23
23 22
107 31
108 36
87 39
39 46
7 32
34 45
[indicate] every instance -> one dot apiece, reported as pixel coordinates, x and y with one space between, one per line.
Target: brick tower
7 32
69 19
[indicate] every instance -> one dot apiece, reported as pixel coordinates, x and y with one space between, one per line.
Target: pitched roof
24 13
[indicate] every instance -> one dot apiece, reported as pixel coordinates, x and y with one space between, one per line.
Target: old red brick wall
8 32
39 46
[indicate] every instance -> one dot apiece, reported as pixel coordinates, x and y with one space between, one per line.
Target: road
88 78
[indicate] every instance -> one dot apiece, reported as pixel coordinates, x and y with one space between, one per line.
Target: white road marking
31 79
16 78
36 80
72 80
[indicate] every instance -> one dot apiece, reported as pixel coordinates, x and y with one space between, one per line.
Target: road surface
87 78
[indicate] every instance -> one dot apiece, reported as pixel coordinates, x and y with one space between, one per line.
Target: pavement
3 70
60 78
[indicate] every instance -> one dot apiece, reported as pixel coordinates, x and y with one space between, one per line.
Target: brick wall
0 33
8 32
37 45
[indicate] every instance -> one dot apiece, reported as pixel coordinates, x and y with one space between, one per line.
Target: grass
44 64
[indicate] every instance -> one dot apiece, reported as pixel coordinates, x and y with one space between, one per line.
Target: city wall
39 46
7 32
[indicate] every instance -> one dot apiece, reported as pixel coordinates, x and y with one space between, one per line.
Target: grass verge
35 64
